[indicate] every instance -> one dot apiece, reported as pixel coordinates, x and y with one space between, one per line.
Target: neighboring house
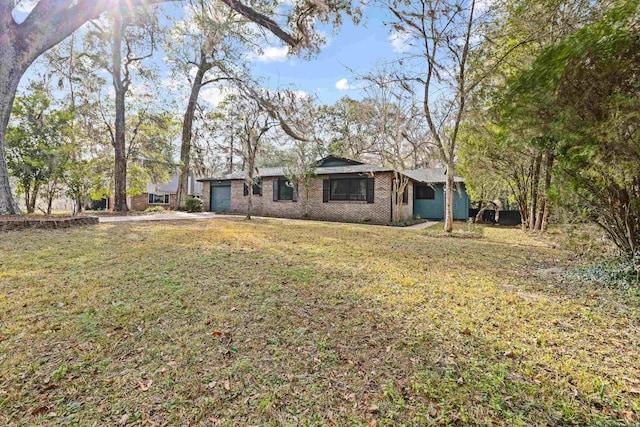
343 190
163 194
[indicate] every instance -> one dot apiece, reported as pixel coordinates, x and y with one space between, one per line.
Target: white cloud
214 95
271 54
343 84
400 41
483 5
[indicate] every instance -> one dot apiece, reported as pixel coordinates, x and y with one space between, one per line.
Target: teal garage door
220 198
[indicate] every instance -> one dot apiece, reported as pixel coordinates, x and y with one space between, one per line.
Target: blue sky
328 75
356 48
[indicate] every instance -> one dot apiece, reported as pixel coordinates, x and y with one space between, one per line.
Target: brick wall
141 202
378 212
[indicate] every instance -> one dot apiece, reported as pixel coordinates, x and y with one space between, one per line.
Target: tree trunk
251 151
231 155
27 197
12 68
187 131
249 201
79 201
31 204
120 165
49 203
535 182
448 196
550 156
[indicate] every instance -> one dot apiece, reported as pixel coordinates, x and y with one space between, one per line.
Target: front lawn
227 322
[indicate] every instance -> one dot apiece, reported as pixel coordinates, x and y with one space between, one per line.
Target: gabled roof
333 161
352 167
429 175
171 186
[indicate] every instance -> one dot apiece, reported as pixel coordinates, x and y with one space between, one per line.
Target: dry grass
226 322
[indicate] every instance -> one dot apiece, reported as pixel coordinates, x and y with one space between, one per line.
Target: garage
220 197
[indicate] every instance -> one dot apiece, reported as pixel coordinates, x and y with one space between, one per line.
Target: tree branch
6 17
262 20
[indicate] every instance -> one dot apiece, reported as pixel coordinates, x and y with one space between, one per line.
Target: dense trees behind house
536 103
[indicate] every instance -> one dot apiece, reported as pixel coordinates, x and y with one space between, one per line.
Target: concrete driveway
177 215
169 216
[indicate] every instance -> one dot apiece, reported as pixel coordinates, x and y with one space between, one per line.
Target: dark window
425 192
353 189
158 199
285 189
257 188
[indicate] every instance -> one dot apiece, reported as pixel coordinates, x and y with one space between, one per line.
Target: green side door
221 198
428 201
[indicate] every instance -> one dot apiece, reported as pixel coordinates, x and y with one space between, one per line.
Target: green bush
193 205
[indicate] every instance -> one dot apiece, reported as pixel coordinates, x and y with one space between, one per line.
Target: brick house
343 190
163 194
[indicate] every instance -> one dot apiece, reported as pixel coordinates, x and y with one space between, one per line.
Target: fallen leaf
145 385
216 333
124 419
39 410
227 386
434 411
373 423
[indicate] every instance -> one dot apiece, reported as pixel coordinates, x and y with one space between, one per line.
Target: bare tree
297 116
398 139
439 33
250 123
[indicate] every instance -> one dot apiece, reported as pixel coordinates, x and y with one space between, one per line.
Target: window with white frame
158 199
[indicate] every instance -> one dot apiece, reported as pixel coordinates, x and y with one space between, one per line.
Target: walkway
169 216
420 226
178 215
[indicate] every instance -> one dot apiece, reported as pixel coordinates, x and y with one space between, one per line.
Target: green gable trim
332 161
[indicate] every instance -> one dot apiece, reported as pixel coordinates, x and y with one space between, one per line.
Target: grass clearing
228 322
